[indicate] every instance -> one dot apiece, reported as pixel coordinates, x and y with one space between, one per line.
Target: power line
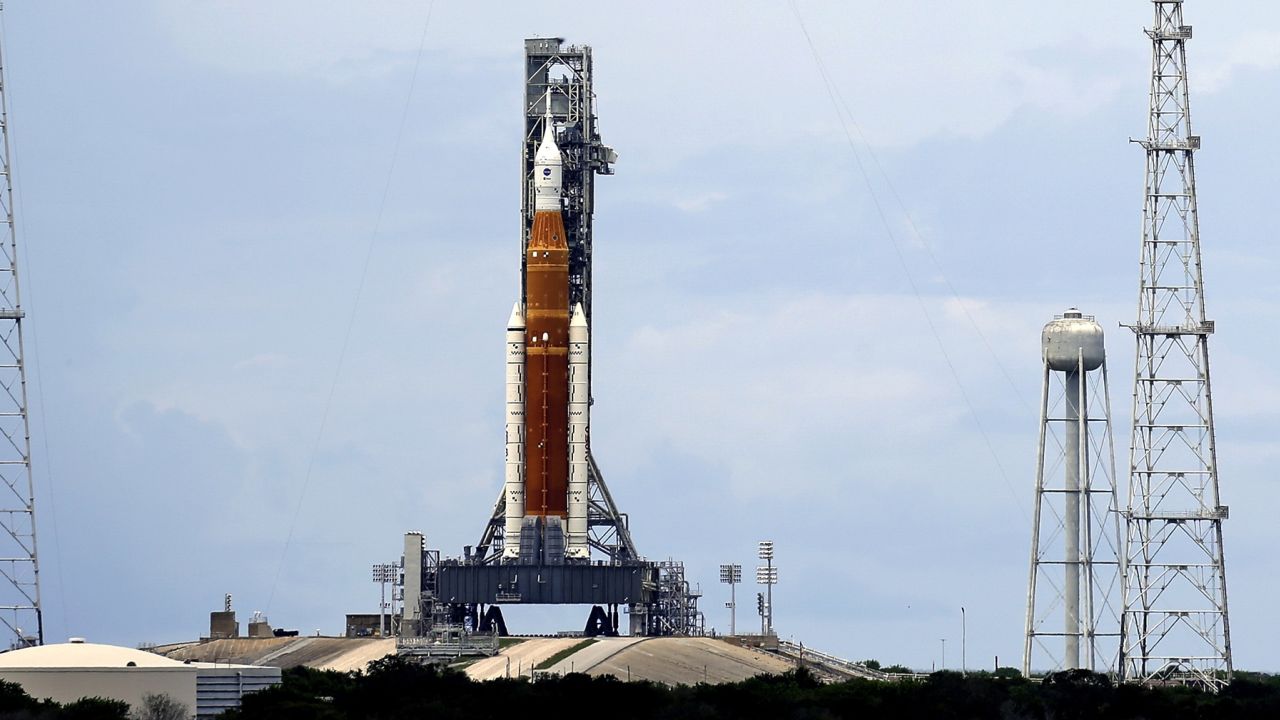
836 102
355 305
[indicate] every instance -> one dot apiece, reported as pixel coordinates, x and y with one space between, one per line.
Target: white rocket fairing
576 546
548 169
514 476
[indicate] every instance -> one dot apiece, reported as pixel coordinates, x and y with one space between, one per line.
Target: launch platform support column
1175 588
1074 580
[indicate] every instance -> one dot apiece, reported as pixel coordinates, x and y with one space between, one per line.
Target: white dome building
69 671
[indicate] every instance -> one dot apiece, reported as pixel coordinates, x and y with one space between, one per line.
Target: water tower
1071 619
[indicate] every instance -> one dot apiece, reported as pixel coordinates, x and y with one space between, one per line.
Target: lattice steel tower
1175 623
20 588
1072 609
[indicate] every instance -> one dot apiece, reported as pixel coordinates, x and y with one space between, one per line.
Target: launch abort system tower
1175 625
555 534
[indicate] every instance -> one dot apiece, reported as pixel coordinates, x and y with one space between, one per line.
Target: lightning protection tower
20 588
1175 625
1072 618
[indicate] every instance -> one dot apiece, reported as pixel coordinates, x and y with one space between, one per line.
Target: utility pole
1174 622
20 614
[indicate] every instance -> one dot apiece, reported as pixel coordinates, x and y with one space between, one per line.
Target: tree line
399 688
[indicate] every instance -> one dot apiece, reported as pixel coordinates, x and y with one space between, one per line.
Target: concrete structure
369 625
259 627
67 672
222 624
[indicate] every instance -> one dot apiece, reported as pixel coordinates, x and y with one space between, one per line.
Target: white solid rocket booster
579 424
515 434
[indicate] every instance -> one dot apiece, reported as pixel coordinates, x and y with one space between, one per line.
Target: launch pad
555 535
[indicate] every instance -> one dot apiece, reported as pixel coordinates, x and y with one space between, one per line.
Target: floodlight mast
767 575
731 575
384 573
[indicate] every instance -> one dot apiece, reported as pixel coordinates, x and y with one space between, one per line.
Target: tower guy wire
902 261
355 307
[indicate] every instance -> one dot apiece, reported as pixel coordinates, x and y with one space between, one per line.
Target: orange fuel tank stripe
547 368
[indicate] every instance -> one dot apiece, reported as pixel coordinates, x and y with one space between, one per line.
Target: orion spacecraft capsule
547 389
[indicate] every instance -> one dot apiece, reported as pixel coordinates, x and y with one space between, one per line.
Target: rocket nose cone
516 321
548 152
579 319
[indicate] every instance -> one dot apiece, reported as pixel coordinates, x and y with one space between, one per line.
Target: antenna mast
20 614
1175 624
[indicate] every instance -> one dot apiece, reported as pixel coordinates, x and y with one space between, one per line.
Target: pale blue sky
200 181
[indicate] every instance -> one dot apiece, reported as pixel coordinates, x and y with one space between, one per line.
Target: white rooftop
84 655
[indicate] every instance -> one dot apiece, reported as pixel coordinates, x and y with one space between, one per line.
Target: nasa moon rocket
547 390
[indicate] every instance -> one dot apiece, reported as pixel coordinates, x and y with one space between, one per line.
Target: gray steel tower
20 589
1072 620
1175 589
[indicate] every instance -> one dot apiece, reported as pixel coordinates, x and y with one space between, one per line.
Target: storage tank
1072 345
1070 338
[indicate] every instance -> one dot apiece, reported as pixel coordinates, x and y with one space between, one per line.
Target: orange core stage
547 367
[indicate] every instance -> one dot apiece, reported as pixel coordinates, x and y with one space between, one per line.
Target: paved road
689 661
519 659
589 657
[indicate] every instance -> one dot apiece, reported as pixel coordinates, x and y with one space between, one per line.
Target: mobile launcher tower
555 535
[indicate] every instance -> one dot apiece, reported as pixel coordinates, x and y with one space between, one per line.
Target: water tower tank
1064 341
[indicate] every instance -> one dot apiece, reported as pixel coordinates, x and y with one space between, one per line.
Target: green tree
14 699
161 706
95 708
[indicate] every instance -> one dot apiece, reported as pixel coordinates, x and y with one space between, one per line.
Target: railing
447 646
838 664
